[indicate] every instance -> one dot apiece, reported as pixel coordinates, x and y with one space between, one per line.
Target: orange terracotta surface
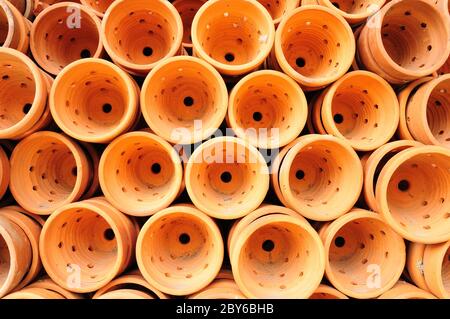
15 29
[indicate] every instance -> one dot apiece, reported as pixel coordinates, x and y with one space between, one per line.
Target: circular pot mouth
58 38
411 194
24 93
82 247
133 281
327 292
354 11
268 109
404 290
412 36
279 8
437 269
314 46
277 246
365 256
428 112
187 10
180 250
227 178
7 22
140 173
320 177
375 163
48 170
98 6
94 100
48 284
34 293
234 36
139 34
125 294
362 108
184 100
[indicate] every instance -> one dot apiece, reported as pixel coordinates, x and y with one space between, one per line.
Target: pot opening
358 6
5 23
187 10
276 8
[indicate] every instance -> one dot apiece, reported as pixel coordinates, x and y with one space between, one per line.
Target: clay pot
268 109
411 194
428 112
313 45
184 100
48 284
179 250
48 170
15 253
94 159
234 36
187 10
93 100
136 42
226 178
14 28
414 265
436 268
25 7
63 33
275 253
354 11
98 6
134 281
4 172
34 293
140 173
319 176
84 245
375 163
405 40
365 256
327 292
125 294
220 289
32 230
40 5
403 290
362 108
278 9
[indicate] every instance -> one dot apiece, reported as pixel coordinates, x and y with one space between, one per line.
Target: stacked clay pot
224 149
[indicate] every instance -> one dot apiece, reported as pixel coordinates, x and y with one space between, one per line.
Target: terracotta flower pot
226 178
34 293
313 45
405 40
134 280
32 230
48 170
375 163
25 7
234 36
436 268
15 29
48 284
278 9
362 108
365 256
327 292
59 36
275 253
84 245
319 176
98 6
180 93
140 173
137 42
415 265
187 10
93 100
24 94
354 11
179 250
220 289
4 172
268 109
15 253
411 193
403 290
428 112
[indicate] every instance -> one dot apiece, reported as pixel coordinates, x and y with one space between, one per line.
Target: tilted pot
184 100
414 265
436 268
48 170
25 7
14 28
98 6
319 176
139 34
268 109
327 292
34 293
187 10
278 9
404 290
354 11
226 177
63 33
94 100
179 250
48 284
365 257
234 36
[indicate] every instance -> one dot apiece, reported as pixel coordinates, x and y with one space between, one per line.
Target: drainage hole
188 101
26 108
225 177
257 116
184 238
106 108
300 174
109 234
229 57
338 118
85 53
300 62
339 241
147 51
403 185
268 245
